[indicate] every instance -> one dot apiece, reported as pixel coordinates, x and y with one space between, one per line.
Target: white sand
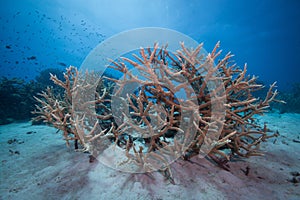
46 169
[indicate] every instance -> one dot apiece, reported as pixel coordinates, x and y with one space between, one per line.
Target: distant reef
16 95
292 99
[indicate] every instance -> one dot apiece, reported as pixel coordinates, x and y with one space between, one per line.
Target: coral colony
171 105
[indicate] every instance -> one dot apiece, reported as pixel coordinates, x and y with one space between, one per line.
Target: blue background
38 34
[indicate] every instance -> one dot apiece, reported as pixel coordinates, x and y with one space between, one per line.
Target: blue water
42 36
57 33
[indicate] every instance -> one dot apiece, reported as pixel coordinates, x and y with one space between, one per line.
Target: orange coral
169 106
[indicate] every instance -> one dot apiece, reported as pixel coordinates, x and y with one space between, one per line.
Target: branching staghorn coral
165 106
59 111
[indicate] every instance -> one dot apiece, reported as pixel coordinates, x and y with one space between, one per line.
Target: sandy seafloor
36 164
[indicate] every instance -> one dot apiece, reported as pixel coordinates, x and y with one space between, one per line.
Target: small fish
31 58
62 64
8 46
